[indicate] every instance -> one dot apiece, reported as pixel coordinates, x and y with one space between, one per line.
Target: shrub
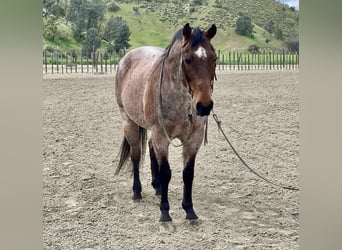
244 26
278 34
269 26
113 6
292 43
253 48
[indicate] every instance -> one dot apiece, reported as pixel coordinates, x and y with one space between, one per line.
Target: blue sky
294 3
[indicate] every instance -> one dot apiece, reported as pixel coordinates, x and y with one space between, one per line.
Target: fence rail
58 63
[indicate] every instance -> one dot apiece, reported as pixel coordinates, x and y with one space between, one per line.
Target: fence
257 61
98 63
57 62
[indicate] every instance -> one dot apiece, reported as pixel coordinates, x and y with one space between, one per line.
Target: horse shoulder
150 103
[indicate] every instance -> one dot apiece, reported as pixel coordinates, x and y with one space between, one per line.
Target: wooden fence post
248 61
234 56
75 63
273 63
101 63
277 56
81 63
62 64
270 59
114 62
297 60
87 62
66 63
71 64
97 62
92 70
45 61
229 60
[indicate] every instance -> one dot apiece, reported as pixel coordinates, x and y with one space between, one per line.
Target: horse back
132 80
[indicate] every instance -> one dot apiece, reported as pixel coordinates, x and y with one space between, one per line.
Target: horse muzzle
204 110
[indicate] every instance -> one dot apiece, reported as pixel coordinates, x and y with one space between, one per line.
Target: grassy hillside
155 23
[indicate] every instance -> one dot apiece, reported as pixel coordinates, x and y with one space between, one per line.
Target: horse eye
187 60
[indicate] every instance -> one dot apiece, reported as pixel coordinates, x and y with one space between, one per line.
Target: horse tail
125 149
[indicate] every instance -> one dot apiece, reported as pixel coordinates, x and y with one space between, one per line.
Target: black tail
125 149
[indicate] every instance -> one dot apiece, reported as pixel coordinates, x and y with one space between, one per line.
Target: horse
169 92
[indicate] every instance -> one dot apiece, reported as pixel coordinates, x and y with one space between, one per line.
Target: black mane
177 36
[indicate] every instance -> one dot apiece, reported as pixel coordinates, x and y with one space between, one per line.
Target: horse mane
177 37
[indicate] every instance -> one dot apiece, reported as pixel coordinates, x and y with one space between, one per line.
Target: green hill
154 23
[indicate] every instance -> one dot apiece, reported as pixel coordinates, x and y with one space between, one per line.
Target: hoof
191 215
136 196
165 217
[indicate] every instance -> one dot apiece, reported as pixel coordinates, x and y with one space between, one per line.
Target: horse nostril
203 111
211 105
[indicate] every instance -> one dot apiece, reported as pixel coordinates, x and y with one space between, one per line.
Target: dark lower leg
136 181
154 170
188 176
165 177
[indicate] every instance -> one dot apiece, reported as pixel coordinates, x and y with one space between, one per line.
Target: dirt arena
87 207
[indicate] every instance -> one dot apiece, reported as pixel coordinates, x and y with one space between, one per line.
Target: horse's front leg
160 146
165 177
154 169
188 176
190 150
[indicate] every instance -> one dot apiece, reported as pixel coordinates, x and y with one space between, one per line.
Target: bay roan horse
167 91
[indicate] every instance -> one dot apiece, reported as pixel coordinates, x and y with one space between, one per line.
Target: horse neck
173 68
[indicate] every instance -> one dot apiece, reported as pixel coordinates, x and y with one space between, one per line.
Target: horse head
198 66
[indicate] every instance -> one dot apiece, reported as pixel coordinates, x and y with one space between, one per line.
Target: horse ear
187 31
212 31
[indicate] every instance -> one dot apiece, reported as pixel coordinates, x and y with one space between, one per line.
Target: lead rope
244 163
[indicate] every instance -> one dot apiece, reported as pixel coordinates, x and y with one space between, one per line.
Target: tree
292 43
244 26
91 43
269 26
197 2
52 7
113 6
50 28
278 34
117 33
85 15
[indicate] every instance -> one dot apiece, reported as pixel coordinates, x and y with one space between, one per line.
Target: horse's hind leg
131 131
154 169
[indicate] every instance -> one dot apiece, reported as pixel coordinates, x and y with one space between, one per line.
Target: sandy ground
87 207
